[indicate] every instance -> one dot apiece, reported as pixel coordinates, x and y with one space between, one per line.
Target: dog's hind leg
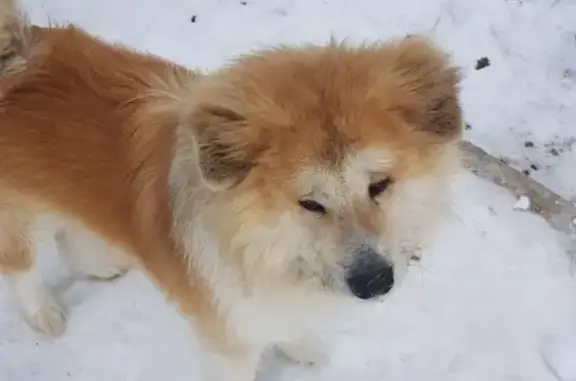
19 238
90 255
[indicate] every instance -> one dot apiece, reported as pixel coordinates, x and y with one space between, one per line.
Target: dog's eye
312 206
375 189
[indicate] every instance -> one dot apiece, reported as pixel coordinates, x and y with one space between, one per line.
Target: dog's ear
227 147
432 84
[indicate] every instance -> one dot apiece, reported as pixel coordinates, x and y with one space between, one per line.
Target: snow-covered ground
494 299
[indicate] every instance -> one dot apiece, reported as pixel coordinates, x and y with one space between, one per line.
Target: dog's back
65 112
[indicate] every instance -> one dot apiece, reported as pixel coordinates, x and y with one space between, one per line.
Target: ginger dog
264 198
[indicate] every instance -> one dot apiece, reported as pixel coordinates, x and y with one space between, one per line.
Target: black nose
370 275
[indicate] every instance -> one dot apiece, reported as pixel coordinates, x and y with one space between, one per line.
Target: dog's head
328 164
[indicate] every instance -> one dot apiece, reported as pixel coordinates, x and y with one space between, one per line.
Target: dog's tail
15 38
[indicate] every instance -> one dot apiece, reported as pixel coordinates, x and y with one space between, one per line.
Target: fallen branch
559 212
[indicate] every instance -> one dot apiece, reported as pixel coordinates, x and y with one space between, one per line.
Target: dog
264 198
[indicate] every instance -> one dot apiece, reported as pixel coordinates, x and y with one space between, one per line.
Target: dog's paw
305 352
106 272
49 320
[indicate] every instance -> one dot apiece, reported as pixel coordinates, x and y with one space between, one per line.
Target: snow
523 203
559 356
493 300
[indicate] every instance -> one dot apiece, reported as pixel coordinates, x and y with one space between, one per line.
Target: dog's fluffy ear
227 148
432 84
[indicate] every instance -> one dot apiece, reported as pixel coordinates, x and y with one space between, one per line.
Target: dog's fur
196 178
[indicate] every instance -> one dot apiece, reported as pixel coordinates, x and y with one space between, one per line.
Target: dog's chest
266 319
280 320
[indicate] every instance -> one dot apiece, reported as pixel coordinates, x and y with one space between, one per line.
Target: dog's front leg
228 359
220 366
309 350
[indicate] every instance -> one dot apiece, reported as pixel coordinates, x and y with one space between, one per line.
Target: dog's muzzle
369 275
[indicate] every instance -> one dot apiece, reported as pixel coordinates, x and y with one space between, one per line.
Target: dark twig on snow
559 212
